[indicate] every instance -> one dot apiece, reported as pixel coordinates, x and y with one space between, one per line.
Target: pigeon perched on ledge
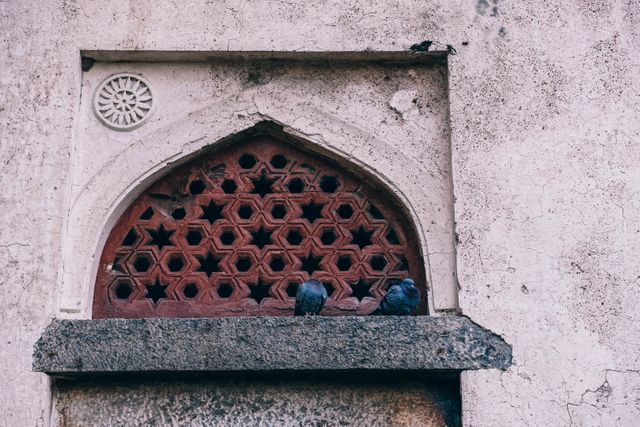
400 300
310 298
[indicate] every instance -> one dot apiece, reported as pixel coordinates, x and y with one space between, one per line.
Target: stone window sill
70 348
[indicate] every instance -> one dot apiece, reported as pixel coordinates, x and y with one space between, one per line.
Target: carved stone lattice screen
234 232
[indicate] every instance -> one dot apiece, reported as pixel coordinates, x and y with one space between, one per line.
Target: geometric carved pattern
234 232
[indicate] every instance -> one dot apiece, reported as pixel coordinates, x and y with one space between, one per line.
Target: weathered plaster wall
544 117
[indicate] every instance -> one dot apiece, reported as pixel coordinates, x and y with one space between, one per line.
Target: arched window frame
149 268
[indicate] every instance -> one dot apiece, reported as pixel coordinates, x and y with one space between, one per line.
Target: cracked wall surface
544 105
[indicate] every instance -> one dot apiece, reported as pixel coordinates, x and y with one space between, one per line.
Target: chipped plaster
544 108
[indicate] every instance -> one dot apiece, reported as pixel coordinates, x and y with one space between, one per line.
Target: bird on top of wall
421 47
400 300
310 298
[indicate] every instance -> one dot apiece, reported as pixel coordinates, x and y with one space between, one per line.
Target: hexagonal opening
142 263
229 186
227 237
378 262
328 237
345 211
294 237
245 211
179 213
344 263
247 161
123 289
194 237
279 211
296 185
279 161
197 186
225 290
329 184
190 290
277 264
243 264
175 264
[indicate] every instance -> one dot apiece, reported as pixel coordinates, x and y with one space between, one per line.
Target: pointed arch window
235 231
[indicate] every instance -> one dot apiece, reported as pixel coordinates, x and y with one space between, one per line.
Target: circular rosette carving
123 101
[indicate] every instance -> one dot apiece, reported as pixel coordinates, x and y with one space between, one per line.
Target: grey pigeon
310 298
400 300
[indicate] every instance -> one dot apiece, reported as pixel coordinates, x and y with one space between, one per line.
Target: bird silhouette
400 300
310 298
421 47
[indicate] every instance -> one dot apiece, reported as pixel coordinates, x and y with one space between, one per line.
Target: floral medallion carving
123 101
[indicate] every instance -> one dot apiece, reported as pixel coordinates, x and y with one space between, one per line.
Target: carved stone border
448 343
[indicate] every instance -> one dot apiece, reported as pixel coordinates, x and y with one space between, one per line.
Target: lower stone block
350 401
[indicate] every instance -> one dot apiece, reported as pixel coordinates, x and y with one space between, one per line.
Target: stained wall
544 129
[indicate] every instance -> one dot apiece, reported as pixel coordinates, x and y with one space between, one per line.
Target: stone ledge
393 57
232 344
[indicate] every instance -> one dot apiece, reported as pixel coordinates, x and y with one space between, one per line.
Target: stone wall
544 105
322 401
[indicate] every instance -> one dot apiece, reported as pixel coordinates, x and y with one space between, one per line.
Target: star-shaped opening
403 265
311 263
375 212
262 185
329 287
209 264
392 237
360 289
147 215
361 237
130 238
117 264
212 212
261 238
156 291
160 237
312 211
259 291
